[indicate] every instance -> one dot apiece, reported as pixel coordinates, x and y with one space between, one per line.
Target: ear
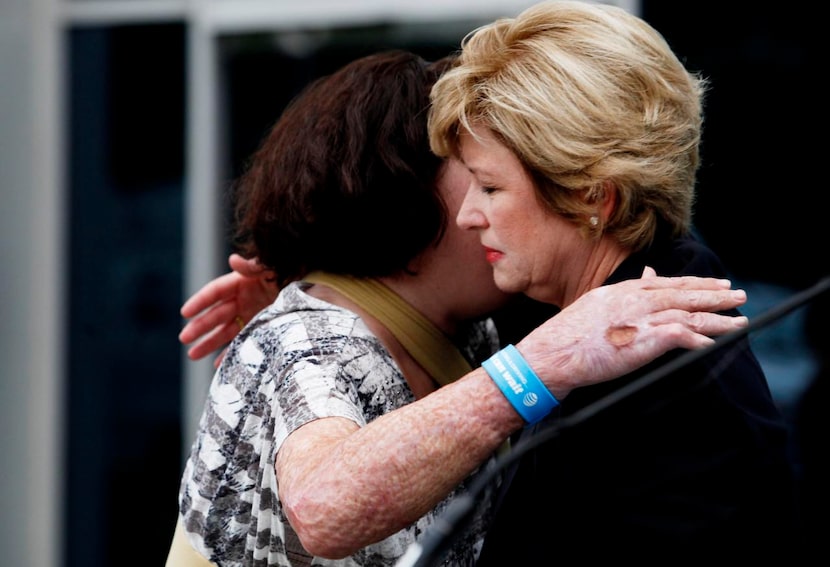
607 200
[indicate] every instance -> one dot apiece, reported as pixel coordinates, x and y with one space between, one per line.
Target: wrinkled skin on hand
613 330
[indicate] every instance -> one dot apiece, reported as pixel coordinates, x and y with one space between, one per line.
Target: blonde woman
581 131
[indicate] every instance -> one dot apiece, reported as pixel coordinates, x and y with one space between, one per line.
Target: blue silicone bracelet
520 385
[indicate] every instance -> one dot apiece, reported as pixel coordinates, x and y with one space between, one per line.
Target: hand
219 309
613 330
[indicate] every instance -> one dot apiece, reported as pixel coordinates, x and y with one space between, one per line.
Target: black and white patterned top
300 359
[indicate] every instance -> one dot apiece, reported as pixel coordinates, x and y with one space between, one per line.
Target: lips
492 255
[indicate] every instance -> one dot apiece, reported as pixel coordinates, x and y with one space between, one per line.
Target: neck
606 256
427 297
397 323
585 271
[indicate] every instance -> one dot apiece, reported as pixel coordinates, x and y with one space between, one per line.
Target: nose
470 215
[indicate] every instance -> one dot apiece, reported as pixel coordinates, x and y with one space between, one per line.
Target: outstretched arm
405 462
221 307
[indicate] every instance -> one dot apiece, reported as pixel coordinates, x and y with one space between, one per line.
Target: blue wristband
520 385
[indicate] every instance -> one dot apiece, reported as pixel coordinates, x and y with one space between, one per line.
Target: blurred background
122 123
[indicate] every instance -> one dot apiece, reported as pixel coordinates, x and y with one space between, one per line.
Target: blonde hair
585 95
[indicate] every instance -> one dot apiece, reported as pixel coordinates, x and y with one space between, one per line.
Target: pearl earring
594 220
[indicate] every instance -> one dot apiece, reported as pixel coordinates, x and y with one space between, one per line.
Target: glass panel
126 161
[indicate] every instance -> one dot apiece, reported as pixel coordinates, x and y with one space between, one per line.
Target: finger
218 289
207 295
222 288
696 330
692 300
648 272
682 282
247 267
677 335
234 257
701 322
202 350
712 324
200 300
219 338
220 314
218 360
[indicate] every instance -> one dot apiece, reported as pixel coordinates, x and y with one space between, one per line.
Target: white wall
31 233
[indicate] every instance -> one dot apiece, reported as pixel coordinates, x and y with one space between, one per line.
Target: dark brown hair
345 180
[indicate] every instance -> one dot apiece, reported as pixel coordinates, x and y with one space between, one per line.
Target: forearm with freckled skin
380 478
344 487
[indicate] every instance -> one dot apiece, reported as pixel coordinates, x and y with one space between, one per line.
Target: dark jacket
693 466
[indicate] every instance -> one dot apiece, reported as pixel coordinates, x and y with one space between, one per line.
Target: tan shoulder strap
425 342
182 554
